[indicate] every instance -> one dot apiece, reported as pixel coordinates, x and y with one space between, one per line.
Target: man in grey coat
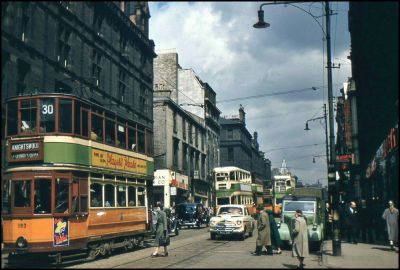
264 233
300 238
391 215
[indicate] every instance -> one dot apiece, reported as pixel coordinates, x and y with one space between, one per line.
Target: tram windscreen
42 196
22 193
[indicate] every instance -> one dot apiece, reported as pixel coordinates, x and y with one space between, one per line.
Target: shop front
170 187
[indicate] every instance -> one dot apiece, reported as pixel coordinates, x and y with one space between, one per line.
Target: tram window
47 115
222 201
12 118
28 116
77 112
96 195
149 143
110 132
141 142
6 196
109 195
65 115
132 196
132 139
62 195
42 196
97 128
121 196
121 136
140 196
232 175
22 193
85 123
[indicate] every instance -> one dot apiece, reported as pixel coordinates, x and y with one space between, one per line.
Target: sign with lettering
19 151
60 232
109 160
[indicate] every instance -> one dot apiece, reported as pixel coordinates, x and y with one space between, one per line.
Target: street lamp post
332 185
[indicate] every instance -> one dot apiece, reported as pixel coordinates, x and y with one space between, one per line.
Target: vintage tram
76 177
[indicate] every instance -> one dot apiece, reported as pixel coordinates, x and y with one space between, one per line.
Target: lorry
312 203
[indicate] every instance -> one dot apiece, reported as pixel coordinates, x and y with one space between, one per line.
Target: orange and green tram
76 177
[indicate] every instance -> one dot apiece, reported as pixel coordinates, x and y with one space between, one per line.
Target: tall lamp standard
332 185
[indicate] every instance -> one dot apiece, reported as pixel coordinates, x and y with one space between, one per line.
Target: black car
191 214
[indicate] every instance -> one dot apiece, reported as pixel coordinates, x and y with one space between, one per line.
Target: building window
63 47
202 141
175 127
143 100
184 157
132 138
149 142
23 69
190 134
183 128
122 85
96 66
97 21
24 22
196 136
230 134
230 154
176 152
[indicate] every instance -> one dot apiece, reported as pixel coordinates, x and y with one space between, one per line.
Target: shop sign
345 158
31 150
181 181
161 178
114 161
60 232
173 191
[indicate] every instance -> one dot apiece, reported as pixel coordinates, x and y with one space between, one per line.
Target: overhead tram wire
313 88
290 147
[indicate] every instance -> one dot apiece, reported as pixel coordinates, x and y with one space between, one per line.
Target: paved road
193 248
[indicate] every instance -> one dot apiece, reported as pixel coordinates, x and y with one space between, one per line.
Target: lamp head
306 126
261 23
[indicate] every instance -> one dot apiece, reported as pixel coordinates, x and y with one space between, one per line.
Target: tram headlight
21 242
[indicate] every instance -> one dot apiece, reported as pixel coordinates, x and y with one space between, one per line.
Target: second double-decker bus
75 178
233 186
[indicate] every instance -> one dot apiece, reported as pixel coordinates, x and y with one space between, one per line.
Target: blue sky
217 40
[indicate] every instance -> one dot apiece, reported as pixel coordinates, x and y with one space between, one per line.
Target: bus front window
42 196
62 195
22 193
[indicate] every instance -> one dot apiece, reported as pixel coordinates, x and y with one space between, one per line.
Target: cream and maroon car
232 220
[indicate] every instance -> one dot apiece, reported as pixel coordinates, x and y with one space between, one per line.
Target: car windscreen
230 210
292 206
186 208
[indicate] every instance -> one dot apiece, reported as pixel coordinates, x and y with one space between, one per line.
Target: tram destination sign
22 151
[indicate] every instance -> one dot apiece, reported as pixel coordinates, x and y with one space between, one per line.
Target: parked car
312 208
232 220
191 214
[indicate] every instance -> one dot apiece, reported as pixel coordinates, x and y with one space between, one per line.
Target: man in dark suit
351 219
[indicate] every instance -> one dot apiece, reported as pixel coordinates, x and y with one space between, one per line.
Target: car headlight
212 222
21 242
239 222
278 224
314 227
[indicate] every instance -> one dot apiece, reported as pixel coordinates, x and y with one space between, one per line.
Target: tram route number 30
47 109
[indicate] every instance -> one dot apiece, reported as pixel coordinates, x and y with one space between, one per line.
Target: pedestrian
364 219
161 230
275 238
328 221
300 238
264 233
391 215
351 220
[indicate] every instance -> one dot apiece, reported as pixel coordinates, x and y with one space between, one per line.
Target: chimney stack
242 115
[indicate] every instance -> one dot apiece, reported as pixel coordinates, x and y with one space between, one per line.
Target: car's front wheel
212 236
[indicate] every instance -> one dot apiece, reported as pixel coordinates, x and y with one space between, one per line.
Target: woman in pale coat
391 215
300 239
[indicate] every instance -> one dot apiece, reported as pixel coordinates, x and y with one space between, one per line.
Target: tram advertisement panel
120 162
60 232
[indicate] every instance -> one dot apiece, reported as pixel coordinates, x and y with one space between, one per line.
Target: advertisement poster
61 232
